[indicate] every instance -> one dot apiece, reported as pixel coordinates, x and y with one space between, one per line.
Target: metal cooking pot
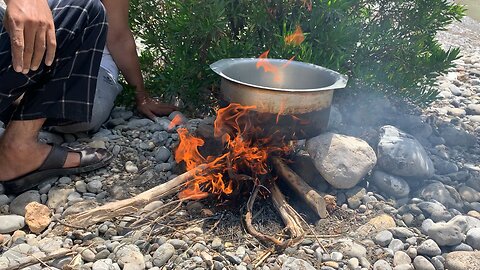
294 101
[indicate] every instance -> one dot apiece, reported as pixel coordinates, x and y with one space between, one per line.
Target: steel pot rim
219 67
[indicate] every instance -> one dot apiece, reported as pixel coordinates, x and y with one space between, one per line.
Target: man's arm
30 26
121 44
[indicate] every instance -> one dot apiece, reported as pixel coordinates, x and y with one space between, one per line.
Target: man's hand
153 108
32 33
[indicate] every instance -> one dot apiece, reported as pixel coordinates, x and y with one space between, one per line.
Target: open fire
245 157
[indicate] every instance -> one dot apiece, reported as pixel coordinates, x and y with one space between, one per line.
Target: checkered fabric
64 92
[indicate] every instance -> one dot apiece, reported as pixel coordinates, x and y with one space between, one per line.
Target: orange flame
176 121
244 154
296 38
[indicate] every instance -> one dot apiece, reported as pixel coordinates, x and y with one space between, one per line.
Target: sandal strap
55 159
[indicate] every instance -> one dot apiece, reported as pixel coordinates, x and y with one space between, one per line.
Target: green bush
387 44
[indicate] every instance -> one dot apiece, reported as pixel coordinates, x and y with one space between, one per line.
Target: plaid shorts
64 92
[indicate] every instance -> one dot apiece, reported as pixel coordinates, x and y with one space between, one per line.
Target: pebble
396 245
381 265
429 248
163 254
162 154
37 217
130 167
421 263
94 186
11 223
473 238
400 258
383 238
17 206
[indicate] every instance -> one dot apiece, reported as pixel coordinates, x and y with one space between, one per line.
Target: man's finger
51 45
17 43
29 44
40 47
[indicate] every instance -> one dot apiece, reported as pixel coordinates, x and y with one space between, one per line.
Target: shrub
387 44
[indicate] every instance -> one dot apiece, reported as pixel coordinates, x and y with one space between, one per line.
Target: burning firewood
307 193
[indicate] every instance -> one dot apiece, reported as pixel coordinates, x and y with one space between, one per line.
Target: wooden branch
132 205
311 197
34 260
290 217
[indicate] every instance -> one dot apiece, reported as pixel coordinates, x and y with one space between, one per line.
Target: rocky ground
407 184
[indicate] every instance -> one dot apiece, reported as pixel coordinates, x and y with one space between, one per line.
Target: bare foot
20 159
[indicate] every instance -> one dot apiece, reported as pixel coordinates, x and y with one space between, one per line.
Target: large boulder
401 154
462 260
342 160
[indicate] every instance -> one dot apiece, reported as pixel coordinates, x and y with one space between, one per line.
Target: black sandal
90 159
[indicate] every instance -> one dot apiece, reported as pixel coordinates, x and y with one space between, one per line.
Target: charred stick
132 205
305 191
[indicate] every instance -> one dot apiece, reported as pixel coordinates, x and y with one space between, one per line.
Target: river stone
462 260
400 258
375 225
469 194
456 137
446 234
401 154
383 238
351 249
342 160
421 263
163 254
17 206
439 192
130 257
296 264
429 248
391 185
473 238
381 265
11 223
58 197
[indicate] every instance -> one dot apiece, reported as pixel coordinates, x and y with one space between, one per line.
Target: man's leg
62 93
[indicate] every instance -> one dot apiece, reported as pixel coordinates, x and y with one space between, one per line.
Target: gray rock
138 123
130 167
296 264
465 223
383 238
351 249
446 234
11 223
421 263
474 182
163 254
438 262
401 154
429 208
130 257
50 245
81 186
457 137
439 192
404 267
396 245
401 232
429 248
473 238
18 254
57 197
381 265
4 200
355 196
462 247
469 194
462 260
162 154
473 109
17 206
88 255
342 160
94 186
391 185
163 167
178 244
400 258
105 264
443 167
217 243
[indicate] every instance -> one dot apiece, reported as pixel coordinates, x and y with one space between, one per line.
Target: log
134 204
309 195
